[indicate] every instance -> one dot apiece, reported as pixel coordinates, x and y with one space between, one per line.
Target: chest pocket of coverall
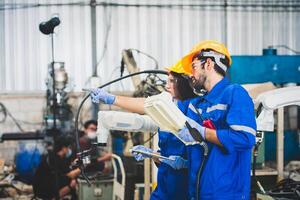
216 112
217 117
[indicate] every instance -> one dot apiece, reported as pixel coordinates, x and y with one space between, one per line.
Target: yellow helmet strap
217 57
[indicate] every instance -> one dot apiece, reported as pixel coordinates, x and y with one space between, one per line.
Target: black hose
254 178
197 136
102 86
199 176
254 161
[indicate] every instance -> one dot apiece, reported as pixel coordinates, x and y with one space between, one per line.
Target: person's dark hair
182 88
81 133
217 68
89 122
62 141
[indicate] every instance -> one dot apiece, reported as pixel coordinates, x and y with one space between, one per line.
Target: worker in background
56 164
86 141
172 176
230 112
90 128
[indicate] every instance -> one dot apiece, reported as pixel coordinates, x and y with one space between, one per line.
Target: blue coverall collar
216 90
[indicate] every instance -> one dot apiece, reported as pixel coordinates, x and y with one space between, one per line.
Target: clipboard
151 154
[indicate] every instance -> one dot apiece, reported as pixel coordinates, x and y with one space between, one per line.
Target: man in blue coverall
226 172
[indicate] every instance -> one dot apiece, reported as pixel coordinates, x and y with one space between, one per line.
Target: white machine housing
272 100
123 121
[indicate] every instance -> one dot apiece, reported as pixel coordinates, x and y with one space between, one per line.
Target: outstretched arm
131 104
128 103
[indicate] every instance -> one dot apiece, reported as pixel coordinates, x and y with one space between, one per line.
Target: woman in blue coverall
172 177
172 182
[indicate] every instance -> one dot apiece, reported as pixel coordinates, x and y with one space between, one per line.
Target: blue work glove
99 94
185 135
139 156
177 162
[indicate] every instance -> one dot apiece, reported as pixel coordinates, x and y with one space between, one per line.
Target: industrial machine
269 101
279 69
123 121
57 96
105 187
266 103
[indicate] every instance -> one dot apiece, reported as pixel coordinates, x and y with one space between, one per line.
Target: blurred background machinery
58 90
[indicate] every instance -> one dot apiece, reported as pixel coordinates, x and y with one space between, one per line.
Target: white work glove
185 135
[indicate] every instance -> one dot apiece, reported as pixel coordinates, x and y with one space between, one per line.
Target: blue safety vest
171 183
226 174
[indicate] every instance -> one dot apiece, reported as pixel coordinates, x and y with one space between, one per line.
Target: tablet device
151 154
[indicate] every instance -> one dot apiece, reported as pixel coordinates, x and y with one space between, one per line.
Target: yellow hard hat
206 44
177 68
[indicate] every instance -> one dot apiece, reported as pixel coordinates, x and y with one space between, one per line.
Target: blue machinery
279 69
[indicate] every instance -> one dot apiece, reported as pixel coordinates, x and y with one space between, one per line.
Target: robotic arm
124 121
274 99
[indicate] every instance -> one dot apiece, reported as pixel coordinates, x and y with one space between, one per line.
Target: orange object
206 44
177 68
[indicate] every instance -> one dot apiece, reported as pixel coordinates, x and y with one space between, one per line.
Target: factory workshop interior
150 99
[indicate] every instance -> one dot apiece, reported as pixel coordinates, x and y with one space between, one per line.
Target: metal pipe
22 136
280 143
95 108
54 103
